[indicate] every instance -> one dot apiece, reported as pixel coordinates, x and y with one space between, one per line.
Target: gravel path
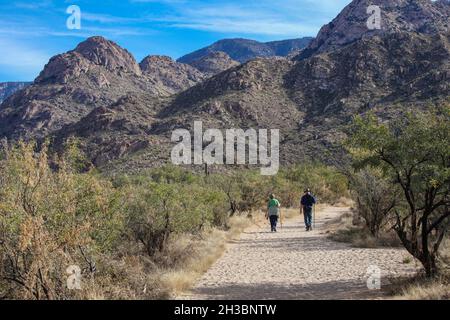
294 264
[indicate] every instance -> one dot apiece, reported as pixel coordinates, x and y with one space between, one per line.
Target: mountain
214 63
243 50
311 98
163 71
421 16
310 101
96 73
8 88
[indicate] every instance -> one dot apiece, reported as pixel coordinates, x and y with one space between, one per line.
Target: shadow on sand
336 290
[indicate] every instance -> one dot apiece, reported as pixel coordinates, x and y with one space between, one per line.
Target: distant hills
8 88
243 50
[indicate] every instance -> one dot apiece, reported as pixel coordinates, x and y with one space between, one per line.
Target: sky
31 32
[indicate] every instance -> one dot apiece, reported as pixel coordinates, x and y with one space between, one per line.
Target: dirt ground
295 264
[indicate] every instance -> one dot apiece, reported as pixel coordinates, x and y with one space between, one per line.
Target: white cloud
263 17
106 18
248 27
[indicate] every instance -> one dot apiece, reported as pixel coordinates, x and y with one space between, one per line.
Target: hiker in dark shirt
306 207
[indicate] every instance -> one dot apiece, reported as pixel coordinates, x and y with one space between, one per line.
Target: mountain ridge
243 50
309 98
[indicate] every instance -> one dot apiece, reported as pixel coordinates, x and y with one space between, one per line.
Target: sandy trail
294 264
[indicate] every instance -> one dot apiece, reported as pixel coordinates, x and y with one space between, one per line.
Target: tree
152 211
375 198
414 154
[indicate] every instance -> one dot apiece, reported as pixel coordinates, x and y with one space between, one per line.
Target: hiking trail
294 264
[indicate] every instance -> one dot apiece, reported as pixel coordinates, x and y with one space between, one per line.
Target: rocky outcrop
421 16
88 56
165 72
312 100
214 63
108 55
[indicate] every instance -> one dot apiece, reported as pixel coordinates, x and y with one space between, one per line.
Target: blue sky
33 31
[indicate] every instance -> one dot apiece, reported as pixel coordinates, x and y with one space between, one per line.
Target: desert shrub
285 191
172 174
248 190
375 198
254 191
150 212
229 185
50 220
157 210
348 229
327 183
244 191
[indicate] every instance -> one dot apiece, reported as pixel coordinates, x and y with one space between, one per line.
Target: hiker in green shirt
273 212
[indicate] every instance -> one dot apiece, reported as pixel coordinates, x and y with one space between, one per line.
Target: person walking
273 212
306 207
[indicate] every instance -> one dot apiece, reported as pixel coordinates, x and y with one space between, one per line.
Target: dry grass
435 290
421 288
208 249
444 260
131 277
348 229
343 202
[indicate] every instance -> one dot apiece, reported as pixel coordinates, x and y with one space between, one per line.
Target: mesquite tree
375 198
414 154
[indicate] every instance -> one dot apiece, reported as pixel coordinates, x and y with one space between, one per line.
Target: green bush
327 183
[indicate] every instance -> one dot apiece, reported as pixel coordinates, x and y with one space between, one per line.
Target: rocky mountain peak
88 55
214 63
93 92
108 54
422 16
